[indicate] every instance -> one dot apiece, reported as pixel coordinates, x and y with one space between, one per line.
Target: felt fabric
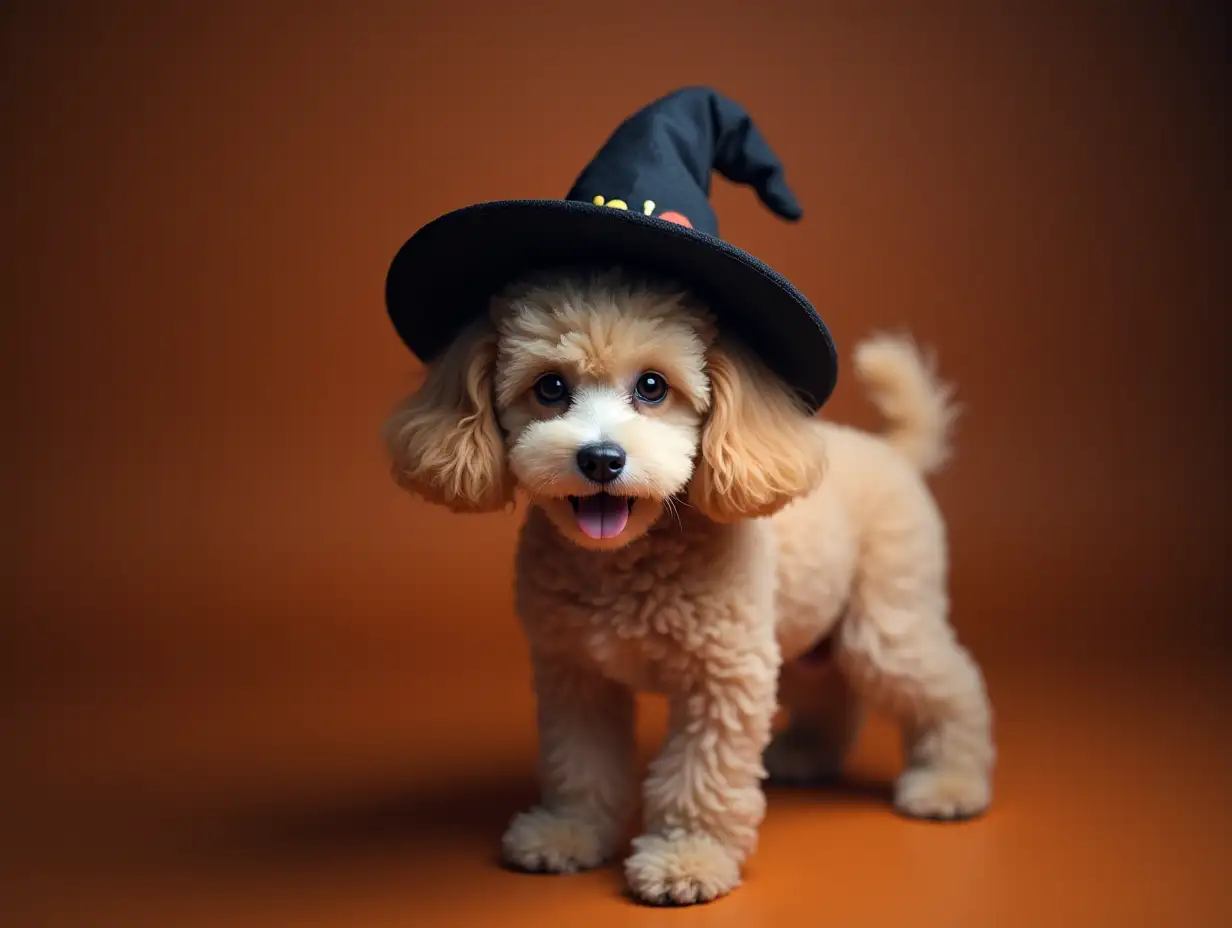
643 201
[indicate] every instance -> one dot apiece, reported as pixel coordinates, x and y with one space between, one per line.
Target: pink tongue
602 516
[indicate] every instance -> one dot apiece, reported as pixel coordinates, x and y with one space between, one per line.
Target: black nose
601 462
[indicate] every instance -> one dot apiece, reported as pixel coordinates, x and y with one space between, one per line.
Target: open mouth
602 515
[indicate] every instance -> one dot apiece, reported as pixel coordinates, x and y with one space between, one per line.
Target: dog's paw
942 793
543 841
798 757
680 871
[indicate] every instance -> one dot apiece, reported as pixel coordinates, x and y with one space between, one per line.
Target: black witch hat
642 202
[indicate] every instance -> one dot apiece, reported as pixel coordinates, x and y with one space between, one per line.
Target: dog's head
607 399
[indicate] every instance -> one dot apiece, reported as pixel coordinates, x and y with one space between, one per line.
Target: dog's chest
649 615
642 628
642 635
638 664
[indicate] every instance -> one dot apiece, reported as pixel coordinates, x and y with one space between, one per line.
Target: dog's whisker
670 505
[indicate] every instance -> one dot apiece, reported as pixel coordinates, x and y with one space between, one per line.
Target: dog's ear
444 442
760 446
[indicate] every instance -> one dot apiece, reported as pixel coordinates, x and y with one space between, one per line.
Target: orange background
220 597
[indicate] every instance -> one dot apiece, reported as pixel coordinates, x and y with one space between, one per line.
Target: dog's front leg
703 797
586 758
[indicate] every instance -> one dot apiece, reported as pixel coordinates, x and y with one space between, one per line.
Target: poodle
693 531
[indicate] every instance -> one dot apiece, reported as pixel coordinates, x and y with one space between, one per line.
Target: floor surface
379 800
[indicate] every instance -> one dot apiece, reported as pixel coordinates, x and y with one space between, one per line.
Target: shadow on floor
848 791
433 832
469 811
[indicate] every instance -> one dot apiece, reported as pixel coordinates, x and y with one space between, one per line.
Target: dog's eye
550 389
651 387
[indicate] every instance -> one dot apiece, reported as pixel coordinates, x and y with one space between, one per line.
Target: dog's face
601 389
606 400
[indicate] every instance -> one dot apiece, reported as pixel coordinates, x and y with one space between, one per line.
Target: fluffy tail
903 385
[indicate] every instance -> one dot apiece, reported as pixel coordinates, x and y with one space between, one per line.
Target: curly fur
756 532
904 387
444 441
759 449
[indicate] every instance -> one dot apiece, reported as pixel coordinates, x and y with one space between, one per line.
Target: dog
693 531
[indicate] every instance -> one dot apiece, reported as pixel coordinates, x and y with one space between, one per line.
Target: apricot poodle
693 531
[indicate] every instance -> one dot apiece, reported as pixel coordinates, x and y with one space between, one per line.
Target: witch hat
642 202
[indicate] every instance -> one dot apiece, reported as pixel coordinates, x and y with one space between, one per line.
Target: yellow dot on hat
598 200
617 204
648 207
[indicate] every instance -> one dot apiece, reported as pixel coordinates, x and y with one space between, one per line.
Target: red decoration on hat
679 218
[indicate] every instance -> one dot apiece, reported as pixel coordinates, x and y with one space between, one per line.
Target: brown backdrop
201 201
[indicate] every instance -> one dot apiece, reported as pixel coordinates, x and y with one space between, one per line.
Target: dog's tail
902 384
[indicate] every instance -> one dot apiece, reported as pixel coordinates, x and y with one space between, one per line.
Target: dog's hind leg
824 719
899 651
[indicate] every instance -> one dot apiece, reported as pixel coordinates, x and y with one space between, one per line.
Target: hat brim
442 278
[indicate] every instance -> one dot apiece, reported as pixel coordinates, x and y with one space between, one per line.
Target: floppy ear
760 446
444 442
